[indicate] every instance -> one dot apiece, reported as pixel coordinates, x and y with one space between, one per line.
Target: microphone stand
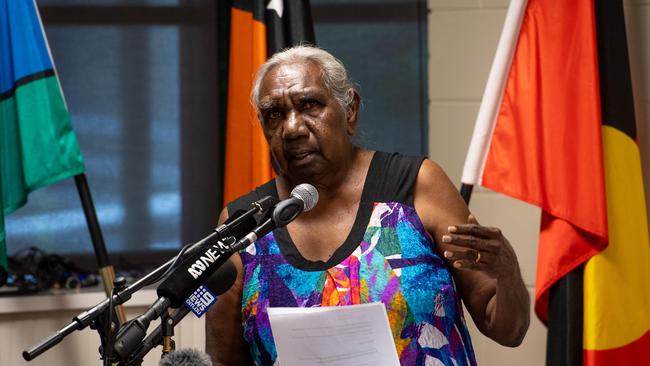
156 338
97 316
163 333
283 213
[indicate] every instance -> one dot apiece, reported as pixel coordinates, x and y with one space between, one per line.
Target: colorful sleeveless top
387 257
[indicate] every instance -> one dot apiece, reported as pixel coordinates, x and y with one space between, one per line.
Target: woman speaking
387 228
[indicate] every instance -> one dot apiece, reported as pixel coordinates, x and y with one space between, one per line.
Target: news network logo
200 301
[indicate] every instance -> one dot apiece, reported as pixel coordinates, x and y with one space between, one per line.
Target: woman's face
307 130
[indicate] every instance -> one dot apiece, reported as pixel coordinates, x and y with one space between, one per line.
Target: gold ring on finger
478 256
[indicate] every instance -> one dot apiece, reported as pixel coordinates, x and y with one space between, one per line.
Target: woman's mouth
301 155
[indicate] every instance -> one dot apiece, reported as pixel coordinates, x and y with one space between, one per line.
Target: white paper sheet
343 335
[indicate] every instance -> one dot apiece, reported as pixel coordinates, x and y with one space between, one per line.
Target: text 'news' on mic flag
556 129
258 29
37 143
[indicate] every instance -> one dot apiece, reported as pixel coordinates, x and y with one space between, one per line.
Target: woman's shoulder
393 176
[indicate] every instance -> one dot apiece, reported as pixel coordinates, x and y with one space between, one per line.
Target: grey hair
334 74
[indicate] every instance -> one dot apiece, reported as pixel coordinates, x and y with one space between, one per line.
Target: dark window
140 82
383 44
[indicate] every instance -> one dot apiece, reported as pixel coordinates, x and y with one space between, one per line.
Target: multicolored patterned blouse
387 257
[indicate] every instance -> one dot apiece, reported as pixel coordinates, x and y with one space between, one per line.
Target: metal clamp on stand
167 333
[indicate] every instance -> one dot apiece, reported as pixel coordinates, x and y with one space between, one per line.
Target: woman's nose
294 126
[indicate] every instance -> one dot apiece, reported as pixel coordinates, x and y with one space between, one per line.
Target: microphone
302 198
129 337
186 357
218 283
190 274
193 270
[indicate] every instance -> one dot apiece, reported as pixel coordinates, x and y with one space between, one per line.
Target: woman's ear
352 112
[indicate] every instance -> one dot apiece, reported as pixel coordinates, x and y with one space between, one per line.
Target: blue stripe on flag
22 46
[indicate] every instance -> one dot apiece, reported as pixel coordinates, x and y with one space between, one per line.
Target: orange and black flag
258 29
556 129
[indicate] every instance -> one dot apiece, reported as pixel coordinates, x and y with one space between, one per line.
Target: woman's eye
274 115
309 104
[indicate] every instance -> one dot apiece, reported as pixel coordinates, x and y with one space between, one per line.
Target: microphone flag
201 301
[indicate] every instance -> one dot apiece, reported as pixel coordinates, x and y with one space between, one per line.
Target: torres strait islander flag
258 29
556 129
37 143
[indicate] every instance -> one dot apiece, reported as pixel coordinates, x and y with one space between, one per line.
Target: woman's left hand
480 248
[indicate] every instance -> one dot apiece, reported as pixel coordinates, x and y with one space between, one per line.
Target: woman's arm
490 285
224 340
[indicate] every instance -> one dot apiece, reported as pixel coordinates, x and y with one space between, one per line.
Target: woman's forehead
292 76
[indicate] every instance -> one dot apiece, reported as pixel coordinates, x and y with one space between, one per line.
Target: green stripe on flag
4 263
37 145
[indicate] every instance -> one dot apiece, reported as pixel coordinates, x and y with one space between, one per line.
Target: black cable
171 266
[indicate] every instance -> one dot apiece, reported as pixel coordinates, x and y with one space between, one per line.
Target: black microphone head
223 279
190 274
186 357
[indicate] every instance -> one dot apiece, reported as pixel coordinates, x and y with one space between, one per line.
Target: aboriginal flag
37 143
556 129
258 29
617 280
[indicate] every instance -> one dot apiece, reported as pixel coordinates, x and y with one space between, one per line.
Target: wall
463 36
